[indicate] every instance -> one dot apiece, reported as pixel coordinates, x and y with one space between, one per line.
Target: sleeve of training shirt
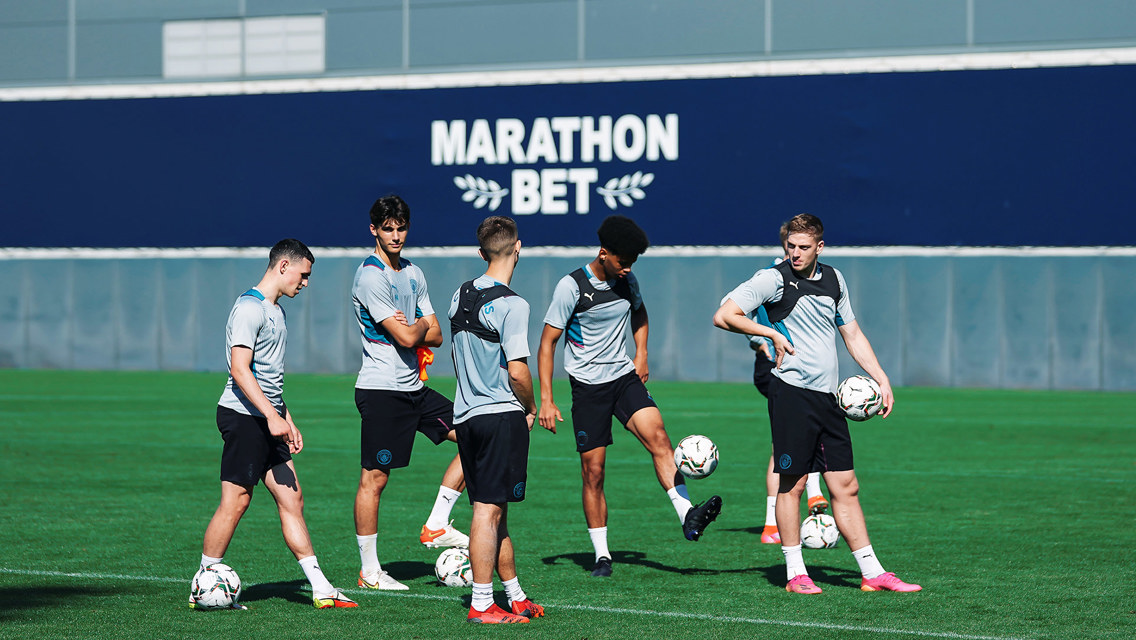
764 286
564 299
375 295
245 322
636 298
424 307
844 313
515 329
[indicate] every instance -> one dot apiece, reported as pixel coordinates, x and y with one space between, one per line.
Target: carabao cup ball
696 456
859 397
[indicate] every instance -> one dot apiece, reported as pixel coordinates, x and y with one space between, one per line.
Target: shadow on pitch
14 600
587 560
293 591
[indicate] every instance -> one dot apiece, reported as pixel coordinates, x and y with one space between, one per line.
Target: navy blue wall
1003 157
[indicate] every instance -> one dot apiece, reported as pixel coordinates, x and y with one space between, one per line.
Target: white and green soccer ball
453 569
859 397
819 531
215 586
696 456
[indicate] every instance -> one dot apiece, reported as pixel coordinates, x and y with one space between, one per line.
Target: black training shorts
494 450
391 418
593 406
250 450
810 432
762 373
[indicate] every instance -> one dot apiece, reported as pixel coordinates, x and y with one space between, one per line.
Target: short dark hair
291 249
496 235
390 208
621 236
805 223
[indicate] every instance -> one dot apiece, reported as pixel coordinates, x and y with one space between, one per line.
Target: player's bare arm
433 337
639 330
520 378
730 317
408 336
861 350
545 362
245 379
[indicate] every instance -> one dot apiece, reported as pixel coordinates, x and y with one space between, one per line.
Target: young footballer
592 307
808 302
396 321
494 411
257 427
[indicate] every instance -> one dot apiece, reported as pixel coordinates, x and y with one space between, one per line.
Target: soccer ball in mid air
453 568
819 531
859 397
215 586
696 456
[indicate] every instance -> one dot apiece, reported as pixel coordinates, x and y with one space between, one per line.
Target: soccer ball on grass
859 397
453 568
819 531
215 586
696 456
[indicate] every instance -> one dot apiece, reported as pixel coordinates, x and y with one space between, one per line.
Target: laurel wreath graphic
626 190
480 191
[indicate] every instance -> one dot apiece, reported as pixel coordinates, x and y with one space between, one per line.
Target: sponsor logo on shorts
383 457
519 490
785 461
581 438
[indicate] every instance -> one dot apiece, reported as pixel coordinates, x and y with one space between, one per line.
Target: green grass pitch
1014 510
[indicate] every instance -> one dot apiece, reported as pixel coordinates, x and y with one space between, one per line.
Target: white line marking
258 253
536 77
576 607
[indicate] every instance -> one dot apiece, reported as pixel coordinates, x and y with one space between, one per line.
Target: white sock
771 511
869 564
443 505
681 501
812 484
794 561
514 591
206 561
320 585
599 541
369 555
482 597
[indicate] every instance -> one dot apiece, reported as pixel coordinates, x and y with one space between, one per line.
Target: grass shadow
587 560
292 591
16 599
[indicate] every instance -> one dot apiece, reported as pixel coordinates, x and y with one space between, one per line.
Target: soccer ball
696 456
859 397
453 569
215 586
819 531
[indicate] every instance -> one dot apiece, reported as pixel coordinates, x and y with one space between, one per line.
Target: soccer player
808 302
494 410
762 372
257 427
593 305
396 319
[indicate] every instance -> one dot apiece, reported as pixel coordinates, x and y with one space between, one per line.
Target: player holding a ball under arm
808 303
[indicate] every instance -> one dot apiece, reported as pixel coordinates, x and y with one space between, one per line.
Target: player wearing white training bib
257 427
397 326
808 306
493 413
592 307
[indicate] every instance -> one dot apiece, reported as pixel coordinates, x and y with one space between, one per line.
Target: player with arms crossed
808 303
762 373
257 427
494 410
593 306
395 318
